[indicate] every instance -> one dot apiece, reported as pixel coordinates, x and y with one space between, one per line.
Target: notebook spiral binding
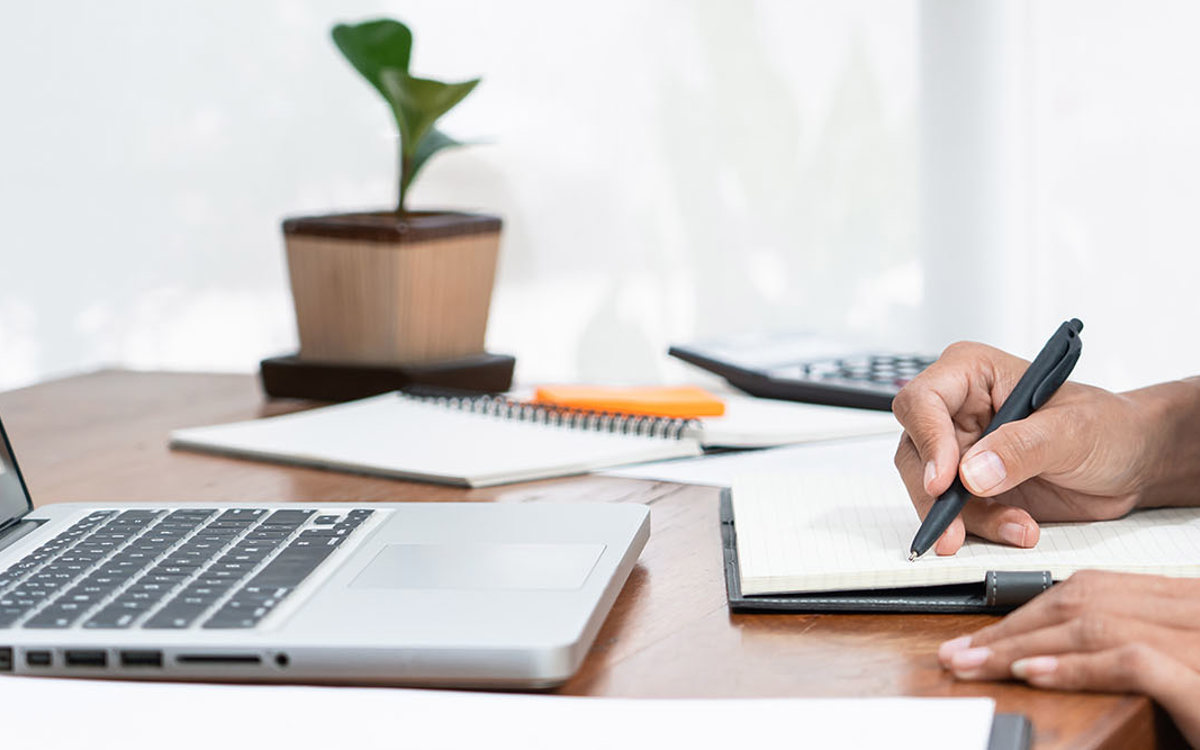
668 428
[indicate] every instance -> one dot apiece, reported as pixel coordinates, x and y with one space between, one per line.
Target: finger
1131 668
1041 443
929 405
1000 523
912 473
951 540
925 410
909 463
989 520
1087 634
1169 602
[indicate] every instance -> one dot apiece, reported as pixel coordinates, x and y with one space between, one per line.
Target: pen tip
912 555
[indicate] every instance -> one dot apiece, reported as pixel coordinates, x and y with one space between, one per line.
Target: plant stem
405 169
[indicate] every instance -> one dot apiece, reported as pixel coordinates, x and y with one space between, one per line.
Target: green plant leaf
433 142
381 51
375 46
418 103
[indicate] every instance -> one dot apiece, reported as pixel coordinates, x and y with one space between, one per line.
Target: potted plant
395 286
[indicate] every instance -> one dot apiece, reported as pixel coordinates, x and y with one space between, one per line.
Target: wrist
1168 420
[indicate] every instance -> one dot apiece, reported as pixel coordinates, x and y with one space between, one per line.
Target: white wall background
668 169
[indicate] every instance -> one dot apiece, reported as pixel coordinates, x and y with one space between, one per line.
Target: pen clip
1060 373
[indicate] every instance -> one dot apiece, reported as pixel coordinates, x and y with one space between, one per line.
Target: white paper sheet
759 422
870 454
50 714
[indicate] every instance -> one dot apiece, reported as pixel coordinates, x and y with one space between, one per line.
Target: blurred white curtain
900 173
1060 177
974 121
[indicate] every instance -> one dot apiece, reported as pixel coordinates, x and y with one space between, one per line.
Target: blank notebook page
810 532
394 436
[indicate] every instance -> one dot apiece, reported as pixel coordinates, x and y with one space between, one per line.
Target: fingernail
1033 667
983 471
1013 533
967 663
952 647
930 475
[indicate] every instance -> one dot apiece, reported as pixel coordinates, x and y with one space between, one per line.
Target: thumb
1015 452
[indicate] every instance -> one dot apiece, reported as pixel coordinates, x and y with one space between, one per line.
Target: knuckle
915 401
1066 606
922 421
1134 662
902 402
1092 632
1071 598
905 452
960 349
924 430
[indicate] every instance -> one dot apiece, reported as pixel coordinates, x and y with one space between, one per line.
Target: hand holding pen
1044 376
1080 457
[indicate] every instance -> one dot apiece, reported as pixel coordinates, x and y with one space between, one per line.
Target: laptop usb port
6 657
86 658
141 659
37 658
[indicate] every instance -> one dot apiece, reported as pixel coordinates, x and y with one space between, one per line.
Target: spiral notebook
470 441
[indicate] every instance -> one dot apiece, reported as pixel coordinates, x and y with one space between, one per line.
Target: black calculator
800 367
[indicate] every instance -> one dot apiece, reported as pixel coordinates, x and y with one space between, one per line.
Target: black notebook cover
999 593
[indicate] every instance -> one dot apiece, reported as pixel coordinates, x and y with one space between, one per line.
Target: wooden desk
103 437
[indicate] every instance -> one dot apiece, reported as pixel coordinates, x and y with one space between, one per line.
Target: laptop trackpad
480 566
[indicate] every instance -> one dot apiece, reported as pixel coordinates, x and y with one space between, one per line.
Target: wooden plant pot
383 289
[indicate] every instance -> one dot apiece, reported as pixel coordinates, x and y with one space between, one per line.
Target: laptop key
176 616
59 615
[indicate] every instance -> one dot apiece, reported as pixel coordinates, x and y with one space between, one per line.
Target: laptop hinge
16 530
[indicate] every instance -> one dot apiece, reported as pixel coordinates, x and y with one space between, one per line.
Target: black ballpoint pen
1049 370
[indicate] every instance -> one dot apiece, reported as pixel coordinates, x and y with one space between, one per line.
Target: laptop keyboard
160 569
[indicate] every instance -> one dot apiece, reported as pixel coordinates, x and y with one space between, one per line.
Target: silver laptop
456 594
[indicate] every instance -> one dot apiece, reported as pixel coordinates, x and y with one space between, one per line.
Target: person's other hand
1109 632
1080 457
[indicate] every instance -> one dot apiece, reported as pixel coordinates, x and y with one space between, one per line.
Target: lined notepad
814 531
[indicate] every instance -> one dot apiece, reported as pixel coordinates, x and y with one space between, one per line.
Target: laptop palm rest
480 566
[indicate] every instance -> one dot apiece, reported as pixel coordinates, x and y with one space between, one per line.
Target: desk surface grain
103 437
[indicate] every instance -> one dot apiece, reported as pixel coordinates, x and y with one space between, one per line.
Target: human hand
1108 632
1082 456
